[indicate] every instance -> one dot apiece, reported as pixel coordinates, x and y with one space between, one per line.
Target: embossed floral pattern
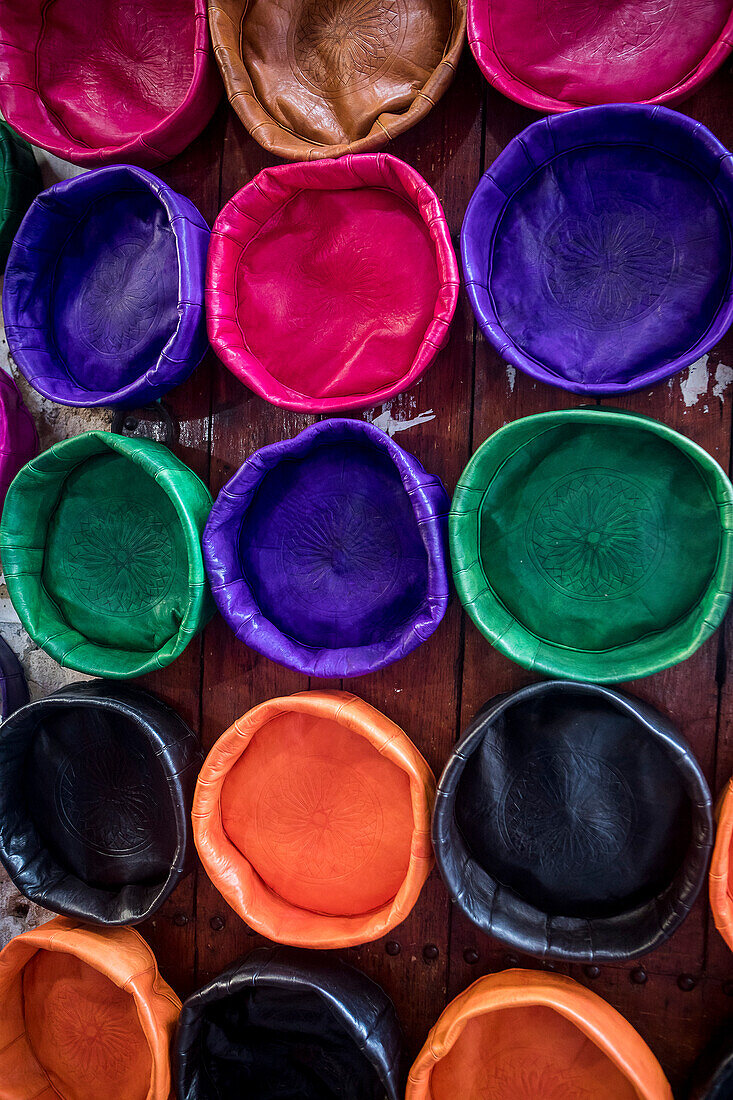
118 304
343 548
121 560
566 807
104 801
92 1037
595 535
610 266
584 28
521 1075
319 822
342 45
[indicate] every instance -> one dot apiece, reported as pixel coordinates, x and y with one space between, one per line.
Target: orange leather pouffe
721 869
527 1035
312 818
85 1016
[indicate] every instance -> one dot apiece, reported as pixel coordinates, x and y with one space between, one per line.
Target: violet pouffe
327 552
597 249
104 289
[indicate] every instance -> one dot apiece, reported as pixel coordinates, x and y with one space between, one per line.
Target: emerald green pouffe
20 182
593 544
101 546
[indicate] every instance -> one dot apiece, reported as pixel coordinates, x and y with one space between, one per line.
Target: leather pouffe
582 52
311 79
312 818
326 552
103 296
85 1015
721 870
712 1078
524 1035
98 780
13 686
283 1023
100 542
18 436
331 285
20 181
573 822
112 82
597 249
593 543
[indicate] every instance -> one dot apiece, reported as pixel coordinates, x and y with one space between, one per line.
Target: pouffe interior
323 817
567 805
332 549
275 1042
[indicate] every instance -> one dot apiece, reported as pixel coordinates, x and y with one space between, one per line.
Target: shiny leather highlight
312 818
311 79
331 285
283 1023
103 296
98 780
521 1033
721 877
112 82
573 822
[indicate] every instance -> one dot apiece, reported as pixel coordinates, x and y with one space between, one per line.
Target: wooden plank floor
680 994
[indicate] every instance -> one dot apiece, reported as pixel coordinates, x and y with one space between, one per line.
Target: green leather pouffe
593 543
20 182
101 545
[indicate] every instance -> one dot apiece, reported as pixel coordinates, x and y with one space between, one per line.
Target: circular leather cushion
116 81
20 181
599 51
18 437
100 541
721 870
94 810
312 818
288 1023
541 1036
312 79
593 543
13 687
331 285
598 248
104 290
573 822
326 552
85 1015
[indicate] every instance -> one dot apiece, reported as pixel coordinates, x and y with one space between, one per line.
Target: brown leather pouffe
320 78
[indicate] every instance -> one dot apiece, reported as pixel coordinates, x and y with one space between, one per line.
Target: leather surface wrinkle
331 285
13 686
598 248
103 297
524 1035
100 540
287 1024
560 514
20 181
573 822
18 436
311 817
86 1014
113 82
326 552
584 52
96 800
320 78
721 880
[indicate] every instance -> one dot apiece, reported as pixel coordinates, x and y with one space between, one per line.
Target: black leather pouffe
13 687
289 1024
573 822
95 801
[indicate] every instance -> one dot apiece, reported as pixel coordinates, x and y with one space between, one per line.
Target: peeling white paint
511 376
695 384
393 424
723 379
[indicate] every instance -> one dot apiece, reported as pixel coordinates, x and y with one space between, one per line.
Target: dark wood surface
681 994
